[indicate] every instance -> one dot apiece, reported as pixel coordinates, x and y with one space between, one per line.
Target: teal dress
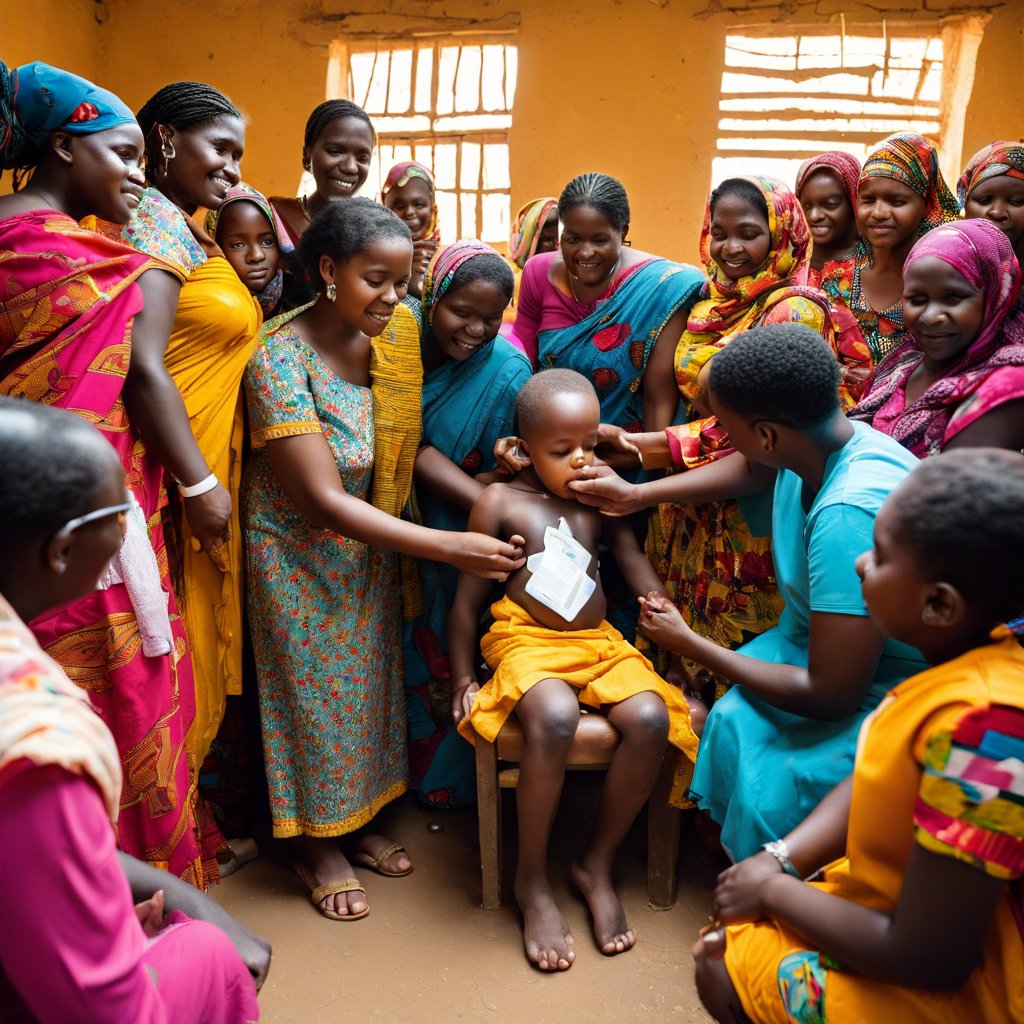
467 407
323 609
760 771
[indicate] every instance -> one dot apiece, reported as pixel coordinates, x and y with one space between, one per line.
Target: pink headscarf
991 371
844 166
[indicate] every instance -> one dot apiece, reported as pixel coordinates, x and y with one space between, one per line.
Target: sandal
379 863
320 892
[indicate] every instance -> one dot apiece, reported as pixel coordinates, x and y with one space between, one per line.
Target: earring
332 291
306 165
167 154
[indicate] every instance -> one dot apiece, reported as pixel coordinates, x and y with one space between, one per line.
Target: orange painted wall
624 86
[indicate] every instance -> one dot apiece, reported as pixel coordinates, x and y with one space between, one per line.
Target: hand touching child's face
562 440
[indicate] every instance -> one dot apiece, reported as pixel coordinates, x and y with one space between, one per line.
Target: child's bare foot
546 933
612 933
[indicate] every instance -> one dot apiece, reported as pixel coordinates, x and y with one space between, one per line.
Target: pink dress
71 945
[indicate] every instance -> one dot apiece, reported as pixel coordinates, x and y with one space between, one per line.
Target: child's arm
631 558
465 614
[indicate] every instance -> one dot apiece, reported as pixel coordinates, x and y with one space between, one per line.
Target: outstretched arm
463 619
721 480
829 689
304 466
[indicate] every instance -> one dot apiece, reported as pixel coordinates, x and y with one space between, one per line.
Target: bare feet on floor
328 866
612 933
546 933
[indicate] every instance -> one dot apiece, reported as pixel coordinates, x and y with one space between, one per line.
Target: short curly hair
51 469
341 230
962 515
485 267
785 373
740 188
534 395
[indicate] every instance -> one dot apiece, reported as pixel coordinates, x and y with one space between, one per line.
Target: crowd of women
307 396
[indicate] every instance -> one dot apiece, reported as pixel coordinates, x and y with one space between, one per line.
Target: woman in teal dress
785 734
471 376
323 580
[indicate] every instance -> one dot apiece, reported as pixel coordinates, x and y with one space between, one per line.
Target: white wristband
194 490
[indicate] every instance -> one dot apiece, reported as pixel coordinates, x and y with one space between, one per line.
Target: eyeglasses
90 517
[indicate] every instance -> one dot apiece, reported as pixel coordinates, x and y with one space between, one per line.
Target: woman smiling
195 138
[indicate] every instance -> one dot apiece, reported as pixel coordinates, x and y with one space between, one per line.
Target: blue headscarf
46 98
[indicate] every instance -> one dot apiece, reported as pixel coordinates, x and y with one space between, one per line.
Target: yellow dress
214 336
939 764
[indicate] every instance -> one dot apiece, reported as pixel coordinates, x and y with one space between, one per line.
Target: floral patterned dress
324 609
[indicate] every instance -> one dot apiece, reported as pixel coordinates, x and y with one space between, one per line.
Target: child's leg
549 714
714 986
642 720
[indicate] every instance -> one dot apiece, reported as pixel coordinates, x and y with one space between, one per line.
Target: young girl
918 914
408 191
323 597
253 240
336 150
959 380
470 380
992 186
901 196
826 186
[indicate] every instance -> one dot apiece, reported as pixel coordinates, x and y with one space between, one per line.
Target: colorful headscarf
913 161
526 229
729 303
46 98
399 176
270 296
982 254
991 162
844 166
443 268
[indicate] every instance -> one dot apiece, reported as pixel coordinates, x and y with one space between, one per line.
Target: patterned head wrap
526 229
270 296
399 176
990 372
913 161
844 166
443 268
991 162
728 302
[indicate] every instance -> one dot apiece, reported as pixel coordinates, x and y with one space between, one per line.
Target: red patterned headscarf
913 161
1000 158
729 303
443 268
844 166
991 371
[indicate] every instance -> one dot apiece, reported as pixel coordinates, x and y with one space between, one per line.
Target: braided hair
21 148
602 192
182 105
333 110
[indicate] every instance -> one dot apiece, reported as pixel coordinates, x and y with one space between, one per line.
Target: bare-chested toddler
546 665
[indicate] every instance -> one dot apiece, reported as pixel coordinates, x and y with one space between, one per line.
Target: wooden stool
592 748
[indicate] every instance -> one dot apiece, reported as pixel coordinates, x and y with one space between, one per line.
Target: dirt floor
428 952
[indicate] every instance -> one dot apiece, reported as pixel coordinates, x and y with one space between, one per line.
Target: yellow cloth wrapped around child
600 663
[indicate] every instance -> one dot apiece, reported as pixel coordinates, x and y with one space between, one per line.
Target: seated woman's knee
646 718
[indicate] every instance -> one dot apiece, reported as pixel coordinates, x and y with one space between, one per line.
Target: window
447 103
788 97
